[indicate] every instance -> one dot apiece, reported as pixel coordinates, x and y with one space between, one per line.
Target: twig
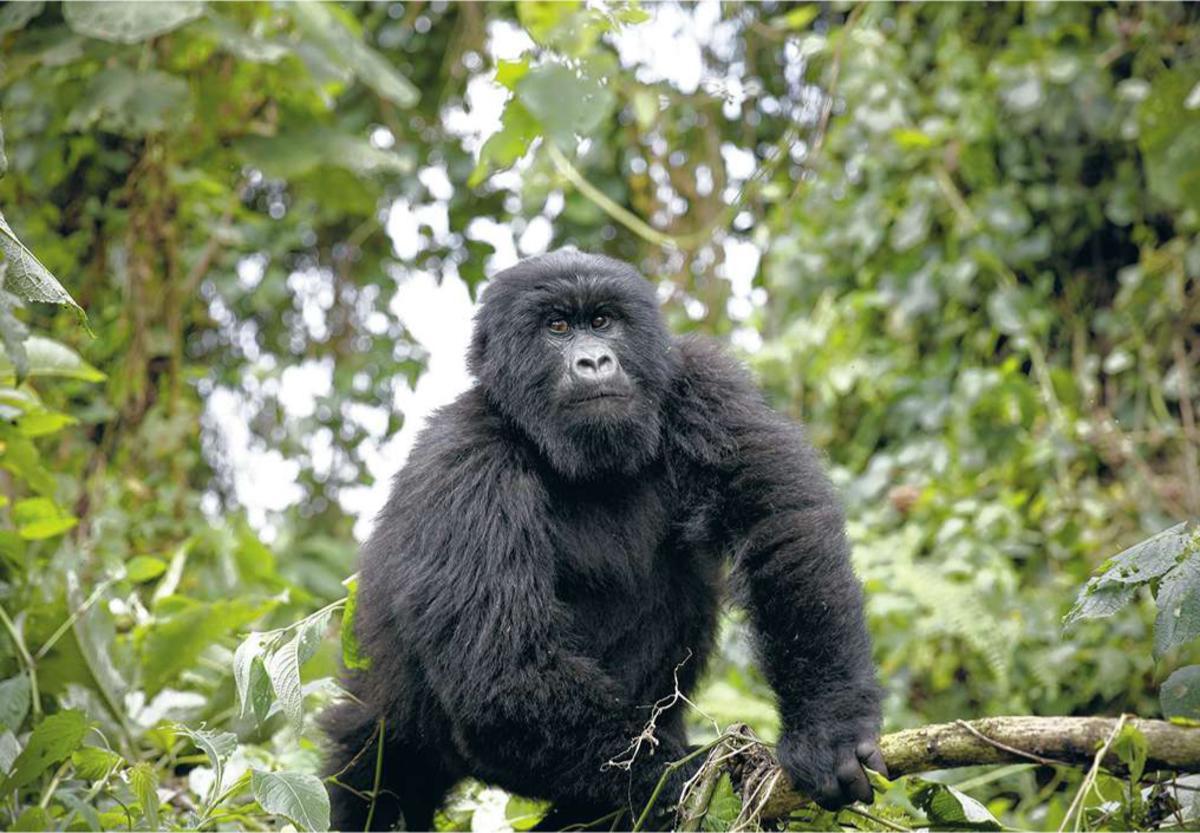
1019 752
891 825
1090 778
378 775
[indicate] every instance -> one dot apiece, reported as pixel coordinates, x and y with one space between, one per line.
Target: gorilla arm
782 521
529 711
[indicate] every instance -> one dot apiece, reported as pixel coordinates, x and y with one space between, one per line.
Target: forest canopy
959 242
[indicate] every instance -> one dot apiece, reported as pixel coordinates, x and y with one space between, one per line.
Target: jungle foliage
979 287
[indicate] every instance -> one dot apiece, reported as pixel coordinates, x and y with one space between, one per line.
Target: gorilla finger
828 795
853 781
872 758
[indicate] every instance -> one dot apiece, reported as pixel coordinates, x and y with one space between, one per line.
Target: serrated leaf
93 763
27 277
310 634
1097 602
1178 601
52 740
283 667
297 796
130 21
247 651
49 358
1148 559
14 702
144 782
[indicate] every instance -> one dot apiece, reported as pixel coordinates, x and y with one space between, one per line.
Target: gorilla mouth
598 395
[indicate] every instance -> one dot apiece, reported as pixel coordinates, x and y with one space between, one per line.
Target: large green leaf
27 277
130 21
948 809
297 796
144 781
218 746
325 27
49 358
172 643
565 101
38 518
1150 558
52 740
1178 602
283 667
1180 694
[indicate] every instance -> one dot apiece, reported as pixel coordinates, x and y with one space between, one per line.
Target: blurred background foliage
958 241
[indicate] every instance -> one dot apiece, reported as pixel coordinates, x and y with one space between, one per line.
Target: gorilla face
573 349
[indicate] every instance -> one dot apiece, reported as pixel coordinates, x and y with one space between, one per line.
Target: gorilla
552 560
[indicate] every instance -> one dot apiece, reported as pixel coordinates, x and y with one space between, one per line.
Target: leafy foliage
959 242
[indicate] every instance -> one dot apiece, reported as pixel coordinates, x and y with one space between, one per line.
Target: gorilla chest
640 596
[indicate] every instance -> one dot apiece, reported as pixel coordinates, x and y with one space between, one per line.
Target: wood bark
1069 741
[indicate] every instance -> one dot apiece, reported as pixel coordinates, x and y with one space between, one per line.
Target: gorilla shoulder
712 397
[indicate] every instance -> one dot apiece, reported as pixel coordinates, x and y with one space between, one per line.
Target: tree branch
995 740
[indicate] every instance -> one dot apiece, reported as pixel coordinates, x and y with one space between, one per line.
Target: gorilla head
571 347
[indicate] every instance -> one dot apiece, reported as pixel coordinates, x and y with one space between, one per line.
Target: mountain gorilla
552 557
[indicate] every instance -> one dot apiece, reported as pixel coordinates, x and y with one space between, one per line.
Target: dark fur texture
541 569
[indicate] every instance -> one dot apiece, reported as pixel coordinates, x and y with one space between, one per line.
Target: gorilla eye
600 322
558 326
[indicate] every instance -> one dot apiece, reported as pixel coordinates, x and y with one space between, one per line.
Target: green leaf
508 73
247 651
797 18
27 277
1097 602
49 358
132 20
169 645
52 740
144 782
218 746
324 27
296 796
283 667
1132 747
132 103
93 763
565 102
38 518
1148 559
1178 601
142 568
508 144
524 813
10 748
1180 694
14 702
237 41
43 423
352 656
541 18
724 807
947 808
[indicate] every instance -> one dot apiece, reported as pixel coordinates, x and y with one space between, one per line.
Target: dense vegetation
959 241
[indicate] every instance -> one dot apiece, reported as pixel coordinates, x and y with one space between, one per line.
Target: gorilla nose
595 365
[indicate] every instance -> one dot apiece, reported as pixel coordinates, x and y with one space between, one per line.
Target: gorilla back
550 562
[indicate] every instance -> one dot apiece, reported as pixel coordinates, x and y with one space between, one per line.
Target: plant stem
23 653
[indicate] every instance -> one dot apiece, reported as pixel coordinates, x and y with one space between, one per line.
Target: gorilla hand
827 766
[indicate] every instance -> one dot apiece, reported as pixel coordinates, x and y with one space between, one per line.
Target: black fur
542 568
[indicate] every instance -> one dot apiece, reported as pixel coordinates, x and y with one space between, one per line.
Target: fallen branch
1069 741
